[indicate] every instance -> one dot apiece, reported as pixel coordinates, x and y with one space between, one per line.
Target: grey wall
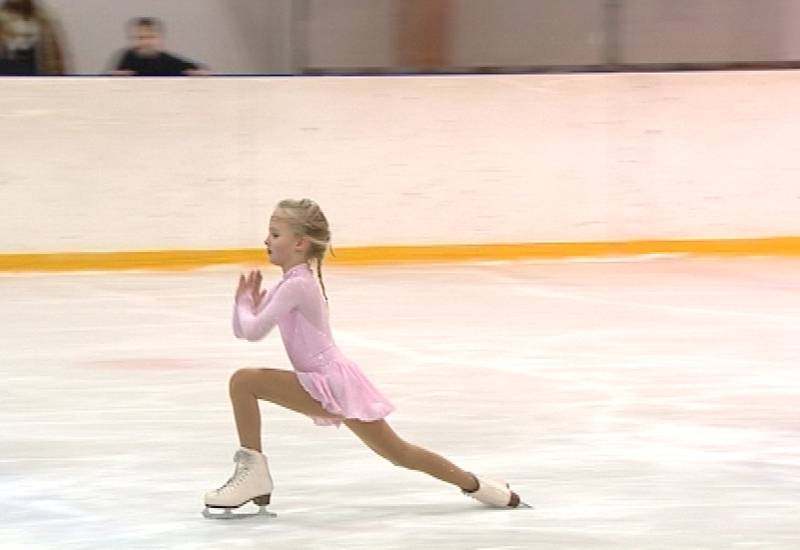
485 33
350 34
704 31
230 36
289 36
525 33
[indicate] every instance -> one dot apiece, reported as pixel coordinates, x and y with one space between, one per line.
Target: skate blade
517 502
228 513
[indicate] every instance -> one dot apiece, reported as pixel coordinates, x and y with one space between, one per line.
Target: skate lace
241 471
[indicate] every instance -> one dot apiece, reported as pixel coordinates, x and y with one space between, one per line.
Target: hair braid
319 276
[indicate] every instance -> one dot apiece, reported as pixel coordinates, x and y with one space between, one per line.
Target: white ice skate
496 493
250 482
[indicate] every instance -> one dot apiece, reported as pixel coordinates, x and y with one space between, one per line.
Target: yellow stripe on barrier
377 255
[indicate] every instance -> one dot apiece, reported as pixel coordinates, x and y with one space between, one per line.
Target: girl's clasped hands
251 285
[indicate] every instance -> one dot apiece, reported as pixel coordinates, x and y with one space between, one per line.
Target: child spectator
147 58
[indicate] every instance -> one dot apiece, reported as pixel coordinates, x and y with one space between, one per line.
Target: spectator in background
29 42
147 58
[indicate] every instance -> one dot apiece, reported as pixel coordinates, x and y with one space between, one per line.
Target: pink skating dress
296 305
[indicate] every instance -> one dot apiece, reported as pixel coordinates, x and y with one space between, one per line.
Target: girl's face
284 247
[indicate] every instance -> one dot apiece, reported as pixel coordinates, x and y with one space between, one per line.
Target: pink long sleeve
296 305
254 324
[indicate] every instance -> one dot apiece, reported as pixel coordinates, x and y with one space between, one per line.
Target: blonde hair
306 219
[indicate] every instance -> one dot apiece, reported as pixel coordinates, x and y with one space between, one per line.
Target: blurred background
285 37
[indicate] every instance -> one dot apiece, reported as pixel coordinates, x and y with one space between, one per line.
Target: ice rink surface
648 403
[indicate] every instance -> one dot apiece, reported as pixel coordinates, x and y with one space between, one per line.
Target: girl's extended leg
281 387
380 437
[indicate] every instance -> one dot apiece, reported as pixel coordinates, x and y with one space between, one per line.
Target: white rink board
118 164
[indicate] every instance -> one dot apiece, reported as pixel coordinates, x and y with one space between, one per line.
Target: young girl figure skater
323 384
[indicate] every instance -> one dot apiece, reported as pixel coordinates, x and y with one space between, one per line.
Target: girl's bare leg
380 437
281 387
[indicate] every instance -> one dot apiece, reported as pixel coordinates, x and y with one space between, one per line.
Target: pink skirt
344 391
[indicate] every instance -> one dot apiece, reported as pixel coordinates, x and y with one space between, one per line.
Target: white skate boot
495 493
250 482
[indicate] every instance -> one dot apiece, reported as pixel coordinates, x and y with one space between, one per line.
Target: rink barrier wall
112 173
380 255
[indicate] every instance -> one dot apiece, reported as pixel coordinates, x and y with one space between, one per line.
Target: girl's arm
248 287
254 323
